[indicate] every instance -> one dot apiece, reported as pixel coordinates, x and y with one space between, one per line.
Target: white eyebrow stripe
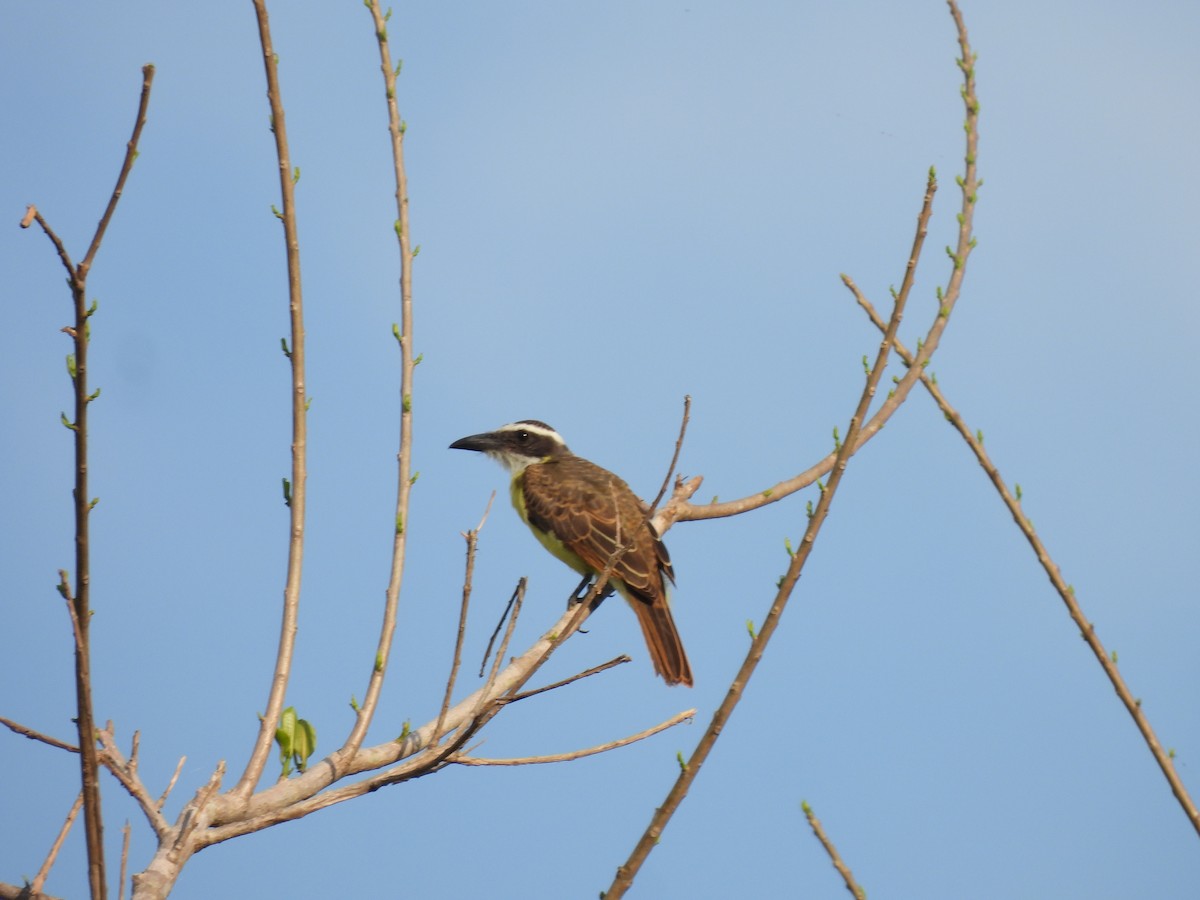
539 429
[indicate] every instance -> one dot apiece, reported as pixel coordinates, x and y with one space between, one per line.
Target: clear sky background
619 204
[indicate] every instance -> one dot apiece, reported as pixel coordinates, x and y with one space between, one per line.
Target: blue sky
619 204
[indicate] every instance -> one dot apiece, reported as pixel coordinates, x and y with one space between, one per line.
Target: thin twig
37 735
683 424
502 651
472 539
1065 591
577 754
171 784
124 860
126 774
519 590
843 870
298 492
586 673
404 336
39 879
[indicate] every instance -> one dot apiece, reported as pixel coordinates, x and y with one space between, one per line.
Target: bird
583 514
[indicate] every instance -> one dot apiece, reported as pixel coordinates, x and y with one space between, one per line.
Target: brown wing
594 514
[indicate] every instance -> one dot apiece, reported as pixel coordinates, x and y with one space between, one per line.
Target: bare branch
299 444
472 539
80 604
125 832
171 784
855 435
404 336
684 716
39 879
37 735
125 771
517 597
131 154
1067 593
683 424
834 856
586 673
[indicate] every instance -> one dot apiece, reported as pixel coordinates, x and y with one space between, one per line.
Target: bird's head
517 445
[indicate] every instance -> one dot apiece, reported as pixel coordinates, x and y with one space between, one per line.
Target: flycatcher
584 515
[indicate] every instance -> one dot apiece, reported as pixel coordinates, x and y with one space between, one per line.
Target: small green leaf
354 703
91 311
399 524
93 395
92 505
304 743
67 422
767 493
416 251
787 545
72 367
378 662
750 629
276 212
283 344
399 228
285 736
287 493
417 361
405 731
407 403
396 333
1020 493
979 435
809 510
683 766
413 479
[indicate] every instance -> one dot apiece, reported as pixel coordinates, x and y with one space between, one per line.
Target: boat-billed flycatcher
584 514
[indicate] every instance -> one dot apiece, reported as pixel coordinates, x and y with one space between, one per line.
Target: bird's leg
583 590
601 597
580 592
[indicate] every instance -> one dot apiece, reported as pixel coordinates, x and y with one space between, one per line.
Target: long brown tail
663 642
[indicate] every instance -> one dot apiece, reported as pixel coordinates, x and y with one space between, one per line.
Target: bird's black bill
480 442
